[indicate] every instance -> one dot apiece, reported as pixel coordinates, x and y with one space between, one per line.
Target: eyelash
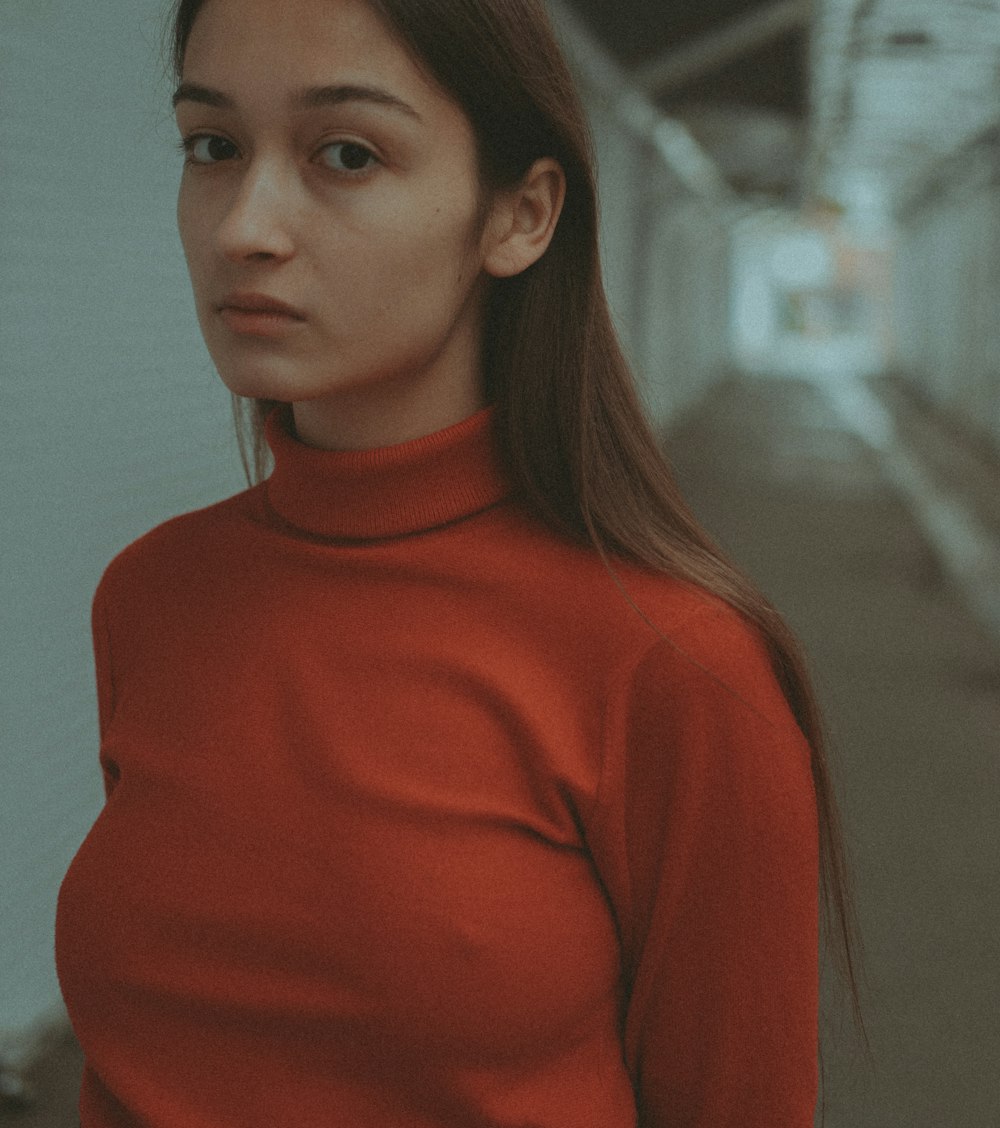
186 146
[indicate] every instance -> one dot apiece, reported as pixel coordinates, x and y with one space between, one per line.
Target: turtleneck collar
387 492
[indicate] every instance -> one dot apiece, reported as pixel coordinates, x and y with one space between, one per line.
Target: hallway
804 192
910 686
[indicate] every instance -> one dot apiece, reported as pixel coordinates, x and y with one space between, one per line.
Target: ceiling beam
675 67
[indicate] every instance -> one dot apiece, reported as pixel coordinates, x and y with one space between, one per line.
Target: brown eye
349 156
208 148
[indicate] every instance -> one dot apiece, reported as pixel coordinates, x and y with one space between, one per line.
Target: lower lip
258 323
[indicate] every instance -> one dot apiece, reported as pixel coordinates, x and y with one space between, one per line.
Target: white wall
113 420
947 294
665 246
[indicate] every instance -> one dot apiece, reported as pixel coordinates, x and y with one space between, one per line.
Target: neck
367 419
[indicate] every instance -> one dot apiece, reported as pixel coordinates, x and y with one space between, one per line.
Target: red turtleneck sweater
413 822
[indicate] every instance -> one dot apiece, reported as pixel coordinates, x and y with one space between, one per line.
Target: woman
453 777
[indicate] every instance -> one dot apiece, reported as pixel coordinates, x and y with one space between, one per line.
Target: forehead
244 46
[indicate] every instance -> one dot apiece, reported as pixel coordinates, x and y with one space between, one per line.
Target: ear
524 219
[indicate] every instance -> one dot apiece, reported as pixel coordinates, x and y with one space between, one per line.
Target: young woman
454 779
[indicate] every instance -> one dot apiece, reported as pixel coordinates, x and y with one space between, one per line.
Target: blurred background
801 208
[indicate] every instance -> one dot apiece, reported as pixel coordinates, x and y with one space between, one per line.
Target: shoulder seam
623 681
711 674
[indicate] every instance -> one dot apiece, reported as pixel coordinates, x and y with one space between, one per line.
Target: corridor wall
113 420
666 223
947 290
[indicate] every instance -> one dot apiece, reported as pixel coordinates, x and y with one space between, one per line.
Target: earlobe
525 219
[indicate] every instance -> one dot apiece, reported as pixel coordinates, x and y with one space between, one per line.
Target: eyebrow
312 98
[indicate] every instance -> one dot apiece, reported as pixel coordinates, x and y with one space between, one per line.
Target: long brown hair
576 442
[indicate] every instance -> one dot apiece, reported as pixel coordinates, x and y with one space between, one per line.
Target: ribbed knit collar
387 492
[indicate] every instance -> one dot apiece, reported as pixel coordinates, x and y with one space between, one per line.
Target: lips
260 303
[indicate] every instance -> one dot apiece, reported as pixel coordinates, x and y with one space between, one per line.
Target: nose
257 223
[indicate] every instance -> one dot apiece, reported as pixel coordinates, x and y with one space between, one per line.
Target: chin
261 381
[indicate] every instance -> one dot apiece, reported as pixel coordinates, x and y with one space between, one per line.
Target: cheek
424 257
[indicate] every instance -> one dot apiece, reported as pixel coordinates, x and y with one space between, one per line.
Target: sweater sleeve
707 843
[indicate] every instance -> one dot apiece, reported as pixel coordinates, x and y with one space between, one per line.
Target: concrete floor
910 685
911 689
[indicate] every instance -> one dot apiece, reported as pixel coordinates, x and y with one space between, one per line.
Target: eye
349 157
207 148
